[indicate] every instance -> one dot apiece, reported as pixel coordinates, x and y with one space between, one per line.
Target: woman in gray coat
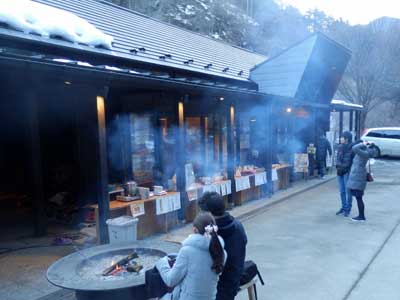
358 174
199 262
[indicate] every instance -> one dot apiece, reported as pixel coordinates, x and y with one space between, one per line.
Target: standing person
199 263
358 174
344 160
323 146
234 235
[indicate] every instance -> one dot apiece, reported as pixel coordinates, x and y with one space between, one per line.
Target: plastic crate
122 229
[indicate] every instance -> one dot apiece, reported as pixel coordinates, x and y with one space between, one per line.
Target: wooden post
340 124
203 141
35 160
351 121
102 186
269 148
181 155
231 152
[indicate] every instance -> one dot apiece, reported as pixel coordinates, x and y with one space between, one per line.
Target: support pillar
181 155
340 124
102 186
231 152
35 162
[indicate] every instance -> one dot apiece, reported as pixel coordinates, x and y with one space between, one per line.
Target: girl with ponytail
198 265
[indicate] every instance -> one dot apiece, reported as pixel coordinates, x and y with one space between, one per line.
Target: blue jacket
234 235
191 274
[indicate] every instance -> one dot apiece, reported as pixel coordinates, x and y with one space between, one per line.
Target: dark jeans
321 167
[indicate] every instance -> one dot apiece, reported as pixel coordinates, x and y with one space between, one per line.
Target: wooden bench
251 288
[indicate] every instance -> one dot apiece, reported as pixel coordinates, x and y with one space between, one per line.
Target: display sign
260 178
242 183
301 162
168 203
137 209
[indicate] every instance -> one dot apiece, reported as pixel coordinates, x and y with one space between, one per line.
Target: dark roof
163 44
308 71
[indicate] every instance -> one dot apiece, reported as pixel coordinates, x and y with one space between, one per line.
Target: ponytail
205 224
217 253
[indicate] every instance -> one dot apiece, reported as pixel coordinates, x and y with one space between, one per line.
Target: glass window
392 134
376 133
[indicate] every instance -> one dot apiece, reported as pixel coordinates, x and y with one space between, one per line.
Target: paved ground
305 252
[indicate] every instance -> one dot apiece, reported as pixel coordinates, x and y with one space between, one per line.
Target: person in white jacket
199 263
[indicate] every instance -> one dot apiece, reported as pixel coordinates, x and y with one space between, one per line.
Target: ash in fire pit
83 271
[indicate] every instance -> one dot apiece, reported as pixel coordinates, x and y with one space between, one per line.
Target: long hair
216 251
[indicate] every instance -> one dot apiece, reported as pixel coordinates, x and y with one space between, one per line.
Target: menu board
301 162
142 145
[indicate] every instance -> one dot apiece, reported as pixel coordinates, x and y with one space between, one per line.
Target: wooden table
252 193
149 223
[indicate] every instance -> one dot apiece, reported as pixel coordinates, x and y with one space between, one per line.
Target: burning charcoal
120 263
134 268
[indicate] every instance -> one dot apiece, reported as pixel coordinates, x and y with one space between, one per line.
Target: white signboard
242 183
260 178
274 175
168 203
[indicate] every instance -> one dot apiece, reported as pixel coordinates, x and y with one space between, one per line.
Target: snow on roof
46 21
344 103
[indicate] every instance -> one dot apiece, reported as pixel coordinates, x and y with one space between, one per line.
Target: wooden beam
102 186
351 121
181 154
340 124
231 151
203 136
35 161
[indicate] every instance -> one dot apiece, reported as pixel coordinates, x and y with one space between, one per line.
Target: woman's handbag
369 173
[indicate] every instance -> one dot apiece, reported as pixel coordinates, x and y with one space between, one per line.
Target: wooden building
165 106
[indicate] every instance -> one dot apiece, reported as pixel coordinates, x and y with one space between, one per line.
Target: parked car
386 138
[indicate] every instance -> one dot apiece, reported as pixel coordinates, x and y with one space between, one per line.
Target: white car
386 138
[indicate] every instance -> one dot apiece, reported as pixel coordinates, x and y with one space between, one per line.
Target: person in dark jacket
358 174
323 146
234 235
344 160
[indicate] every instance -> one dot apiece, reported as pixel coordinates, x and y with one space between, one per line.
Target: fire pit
113 271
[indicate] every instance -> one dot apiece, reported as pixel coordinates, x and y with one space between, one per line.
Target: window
392 134
376 133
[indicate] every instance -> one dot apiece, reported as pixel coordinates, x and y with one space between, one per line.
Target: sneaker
346 214
339 212
358 219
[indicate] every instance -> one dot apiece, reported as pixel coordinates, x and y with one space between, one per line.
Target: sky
354 11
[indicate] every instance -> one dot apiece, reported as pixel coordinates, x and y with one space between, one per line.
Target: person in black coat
234 235
344 160
323 146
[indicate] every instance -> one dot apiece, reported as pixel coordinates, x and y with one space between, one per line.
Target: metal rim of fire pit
63 273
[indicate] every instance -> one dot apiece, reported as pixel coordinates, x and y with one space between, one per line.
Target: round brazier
82 271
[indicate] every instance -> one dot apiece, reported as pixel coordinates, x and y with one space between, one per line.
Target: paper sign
137 209
260 178
168 203
242 183
301 162
274 175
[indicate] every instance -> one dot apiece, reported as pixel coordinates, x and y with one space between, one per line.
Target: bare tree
369 78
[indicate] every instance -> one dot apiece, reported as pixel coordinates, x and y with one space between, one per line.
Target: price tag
137 209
